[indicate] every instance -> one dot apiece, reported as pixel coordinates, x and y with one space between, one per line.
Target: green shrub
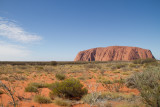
60 76
70 88
148 84
42 99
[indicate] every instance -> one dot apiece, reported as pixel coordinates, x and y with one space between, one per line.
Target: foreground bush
42 99
148 84
70 88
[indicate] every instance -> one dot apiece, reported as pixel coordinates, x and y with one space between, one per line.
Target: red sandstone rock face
114 53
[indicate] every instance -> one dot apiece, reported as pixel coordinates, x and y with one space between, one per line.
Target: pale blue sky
58 29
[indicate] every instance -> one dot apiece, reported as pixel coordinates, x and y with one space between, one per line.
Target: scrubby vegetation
71 83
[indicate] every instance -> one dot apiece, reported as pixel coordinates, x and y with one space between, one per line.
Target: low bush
42 99
60 76
69 88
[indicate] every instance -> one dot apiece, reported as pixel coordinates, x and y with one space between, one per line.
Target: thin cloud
12 31
12 52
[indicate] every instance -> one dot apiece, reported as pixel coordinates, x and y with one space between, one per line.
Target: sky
47 30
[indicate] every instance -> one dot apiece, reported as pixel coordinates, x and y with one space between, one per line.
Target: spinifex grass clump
42 99
70 88
148 84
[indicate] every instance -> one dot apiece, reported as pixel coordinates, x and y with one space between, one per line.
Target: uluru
114 53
